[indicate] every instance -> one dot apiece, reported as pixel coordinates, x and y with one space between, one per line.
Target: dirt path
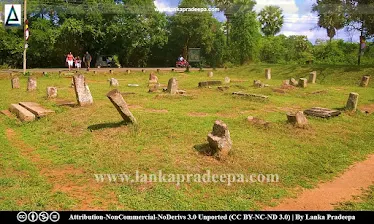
76 183
323 198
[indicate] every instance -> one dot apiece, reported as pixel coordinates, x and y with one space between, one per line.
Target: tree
271 20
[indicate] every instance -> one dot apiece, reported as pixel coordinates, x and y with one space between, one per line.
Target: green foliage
271 20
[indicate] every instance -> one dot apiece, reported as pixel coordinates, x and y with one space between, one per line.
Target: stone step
36 109
22 113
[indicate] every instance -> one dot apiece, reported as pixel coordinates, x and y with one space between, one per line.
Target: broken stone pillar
352 102
154 88
365 81
210 74
312 77
293 82
128 71
267 73
153 78
51 92
297 119
227 80
15 83
82 91
113 82
303 82
258 83
31 84
172 86
219 140
119 103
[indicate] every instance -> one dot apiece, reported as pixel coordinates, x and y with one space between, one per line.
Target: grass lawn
50 164
362 203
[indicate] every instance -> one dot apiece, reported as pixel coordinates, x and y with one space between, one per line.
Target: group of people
71 60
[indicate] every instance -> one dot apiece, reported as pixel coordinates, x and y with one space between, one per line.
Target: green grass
165 141
362 203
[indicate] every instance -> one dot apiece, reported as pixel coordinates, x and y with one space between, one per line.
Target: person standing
87 60
78 63
70 60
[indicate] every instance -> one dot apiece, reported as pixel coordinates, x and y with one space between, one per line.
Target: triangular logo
12 15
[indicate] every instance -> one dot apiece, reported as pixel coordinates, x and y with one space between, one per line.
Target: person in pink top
70 60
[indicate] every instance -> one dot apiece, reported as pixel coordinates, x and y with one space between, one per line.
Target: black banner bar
106 216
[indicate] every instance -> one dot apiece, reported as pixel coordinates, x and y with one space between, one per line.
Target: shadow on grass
204 149
106 125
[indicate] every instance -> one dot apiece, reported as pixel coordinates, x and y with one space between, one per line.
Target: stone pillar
153 78
303 82
312 77
82 91
365 81
113 82
31 84
219 139
227 80
267 73
172 86
51 92
210 74
119 103
15 83
352 102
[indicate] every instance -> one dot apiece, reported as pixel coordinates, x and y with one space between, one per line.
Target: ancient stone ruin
321 112
113 82
352 102
312 77
51 92
209 83
31 84
119 103
219 139
210 74
22 113
82 91
298 119
303 82
227 80
268 73
365 81
172 86
153 78
293 82
15 83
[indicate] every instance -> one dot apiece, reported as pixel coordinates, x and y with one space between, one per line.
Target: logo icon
43 216
33 217
54 216
12 15
22 216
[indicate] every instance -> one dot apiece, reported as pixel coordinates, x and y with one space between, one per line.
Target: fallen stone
15 83
298 119
223 88
182 92
286 82
119 103
258 83
65 103
365 81
250 95
219 139
321 112
51 92
209 83
7 113
303 82
153 78
312 77
82 91
22 113
293 82
36 109
258 121
227 80
113 82
352 102
172 86
268 73
133 85
153 88
31 84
